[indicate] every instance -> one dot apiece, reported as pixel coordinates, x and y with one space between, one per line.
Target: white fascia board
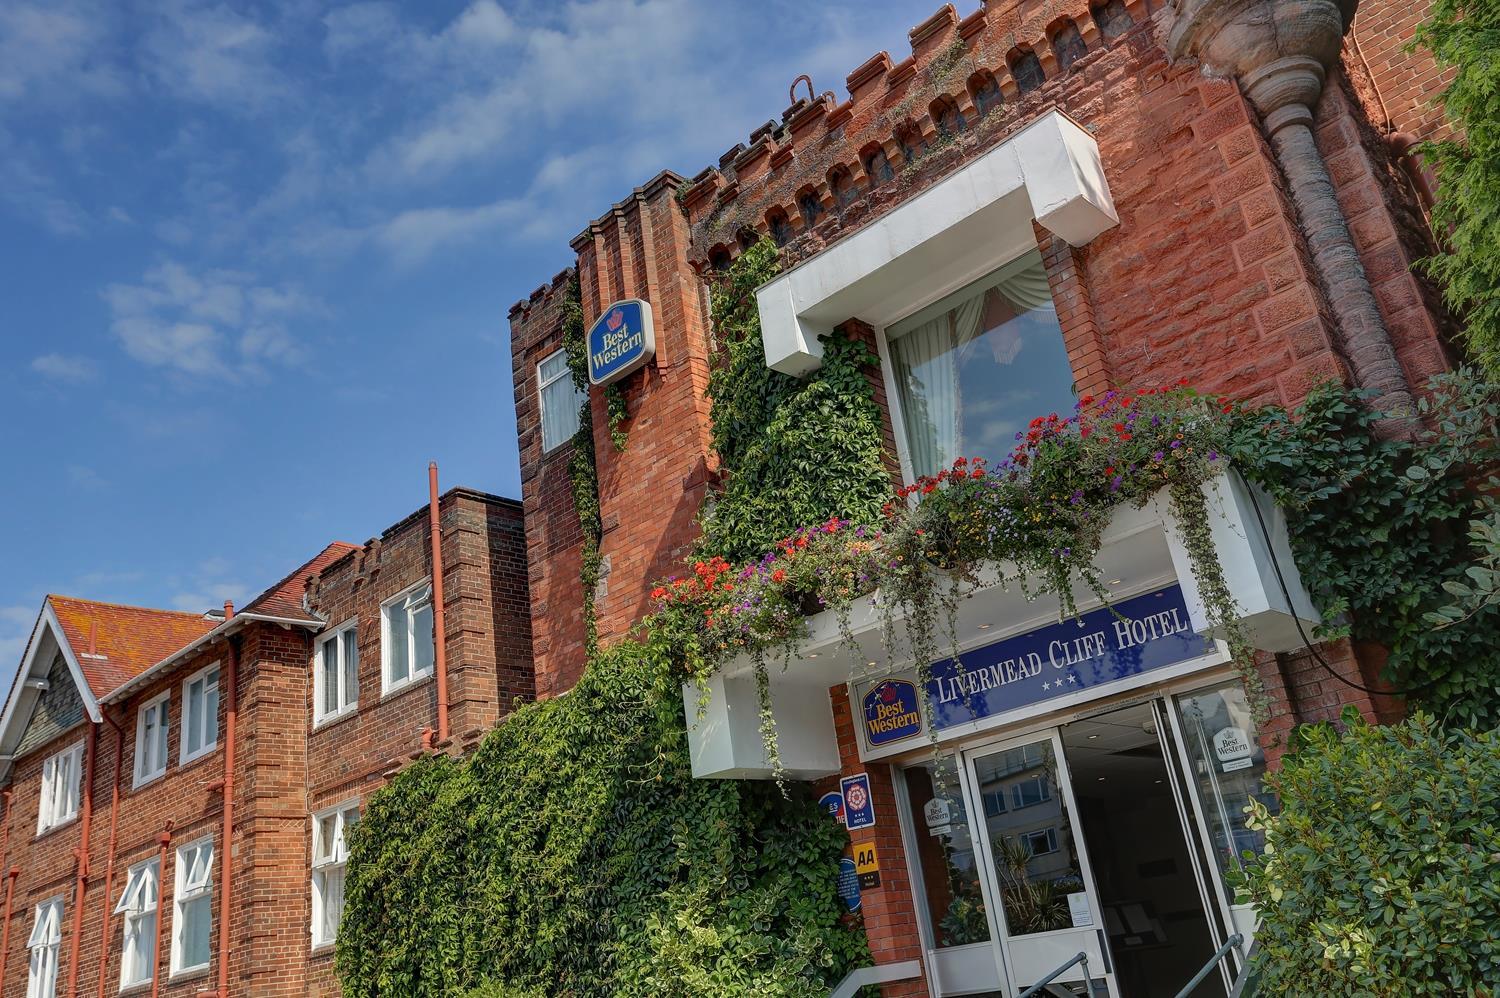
970 222
14 713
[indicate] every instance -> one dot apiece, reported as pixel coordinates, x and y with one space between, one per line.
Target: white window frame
60 793
334 860
44 948
185 893
140 898
189 719
164 702
388 685
541 406
347 703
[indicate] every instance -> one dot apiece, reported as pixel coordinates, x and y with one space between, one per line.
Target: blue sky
256 258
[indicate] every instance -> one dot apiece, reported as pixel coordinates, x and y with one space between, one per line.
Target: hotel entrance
1106 834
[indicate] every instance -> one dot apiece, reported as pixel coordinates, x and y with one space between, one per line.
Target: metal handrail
1208 968
1082 958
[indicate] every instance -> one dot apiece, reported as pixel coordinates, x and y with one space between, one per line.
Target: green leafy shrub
1381 874
1382 528
797 450
575 855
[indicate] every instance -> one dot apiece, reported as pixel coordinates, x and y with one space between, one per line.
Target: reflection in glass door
1038 869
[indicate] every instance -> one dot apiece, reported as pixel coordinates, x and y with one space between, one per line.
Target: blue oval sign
892 712
621 341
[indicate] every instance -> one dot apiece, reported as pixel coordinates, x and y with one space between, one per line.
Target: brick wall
1397 87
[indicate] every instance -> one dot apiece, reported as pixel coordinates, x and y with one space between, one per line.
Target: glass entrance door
1037 864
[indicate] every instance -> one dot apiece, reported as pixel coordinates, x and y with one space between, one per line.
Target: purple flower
1158 456
1213 455
1176 444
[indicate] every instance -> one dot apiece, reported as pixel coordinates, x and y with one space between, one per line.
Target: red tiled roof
127 639
284 599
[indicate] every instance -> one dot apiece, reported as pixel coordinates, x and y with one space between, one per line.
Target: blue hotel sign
892 712
621 342
1134 637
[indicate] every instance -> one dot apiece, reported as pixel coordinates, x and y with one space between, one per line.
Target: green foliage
797 451
1378 527
1464 35
574 855
583 468
1381 874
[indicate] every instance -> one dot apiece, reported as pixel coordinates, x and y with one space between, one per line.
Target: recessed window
138 905
192 907
1040 842
336 679
878 166
985 90
330 856
947 118
45 941
779 226
972 369
61 782
1112 18
151 729
1067 44
810 206
200 713
406 644
1026 68
561 401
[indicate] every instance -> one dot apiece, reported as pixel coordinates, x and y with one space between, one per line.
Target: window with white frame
62 776
192 907
406 639
138 905
151 739
336 681
1040 842
330 855
1029 792
971 370
200 713
45 941
560 398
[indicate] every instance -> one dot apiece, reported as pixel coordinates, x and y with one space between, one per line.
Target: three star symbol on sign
1072 679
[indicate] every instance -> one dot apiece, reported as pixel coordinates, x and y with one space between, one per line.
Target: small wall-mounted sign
892 712
867 865
849 883
833 804
859 807
621 341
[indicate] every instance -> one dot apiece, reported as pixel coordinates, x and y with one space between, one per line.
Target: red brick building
1118 193
117 741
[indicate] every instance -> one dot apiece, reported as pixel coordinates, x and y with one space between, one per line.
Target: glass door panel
1226 770
1038 867
958 928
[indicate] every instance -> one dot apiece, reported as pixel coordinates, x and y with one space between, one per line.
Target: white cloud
216 324
212 54
413 235
55 50
210 596
86 478
66 368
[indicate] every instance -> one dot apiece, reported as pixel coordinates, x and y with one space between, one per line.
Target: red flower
1119 427
977 473
658 593
779 575
1109 470
1182 381
1125 438
802 542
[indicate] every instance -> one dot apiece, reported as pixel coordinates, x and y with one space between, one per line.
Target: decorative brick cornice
877 65
940 21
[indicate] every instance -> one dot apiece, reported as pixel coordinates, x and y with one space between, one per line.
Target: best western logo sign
892 712
621 342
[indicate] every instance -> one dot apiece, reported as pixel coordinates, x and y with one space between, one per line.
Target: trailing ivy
796 451
574 855
1391 530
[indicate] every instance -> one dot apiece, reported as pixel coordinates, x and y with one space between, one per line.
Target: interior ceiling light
985 627
1114 582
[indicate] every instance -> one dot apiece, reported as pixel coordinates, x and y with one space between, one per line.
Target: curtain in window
928 357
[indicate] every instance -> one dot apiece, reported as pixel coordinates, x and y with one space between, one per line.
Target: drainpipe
109 856
1279 51
439 631
163 841
231 717
1402 146
10 892
85 820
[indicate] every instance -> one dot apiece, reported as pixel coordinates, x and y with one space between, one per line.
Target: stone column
1279 51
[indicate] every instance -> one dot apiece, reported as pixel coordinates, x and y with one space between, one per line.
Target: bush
573 854
1381 874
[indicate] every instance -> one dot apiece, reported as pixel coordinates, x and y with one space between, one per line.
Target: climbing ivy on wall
1383 528
1464 36
574 855
797 451
583 470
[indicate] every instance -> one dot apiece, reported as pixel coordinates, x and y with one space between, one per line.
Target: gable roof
285 598
115 643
